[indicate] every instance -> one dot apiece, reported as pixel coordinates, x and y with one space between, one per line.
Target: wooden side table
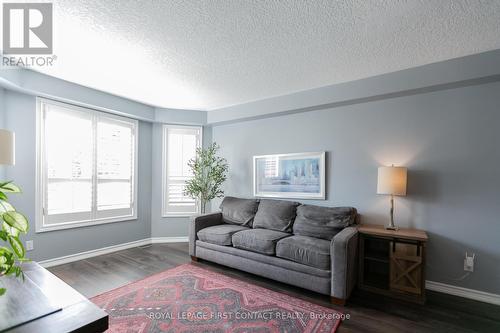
392 262
77 313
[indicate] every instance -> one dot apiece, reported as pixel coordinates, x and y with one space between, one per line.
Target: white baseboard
181 239
463 292
109 249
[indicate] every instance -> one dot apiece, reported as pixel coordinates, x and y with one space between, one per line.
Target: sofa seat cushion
275 215
258 240
305 250
220 234
264 259
239 211
322 222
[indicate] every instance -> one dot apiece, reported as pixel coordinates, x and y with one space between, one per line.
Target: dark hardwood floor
368 313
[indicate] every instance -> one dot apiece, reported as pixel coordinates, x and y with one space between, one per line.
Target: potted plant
12 252
209 172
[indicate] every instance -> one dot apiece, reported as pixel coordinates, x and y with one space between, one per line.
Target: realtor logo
27 28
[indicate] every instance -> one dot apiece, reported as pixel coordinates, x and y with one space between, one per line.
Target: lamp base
391 227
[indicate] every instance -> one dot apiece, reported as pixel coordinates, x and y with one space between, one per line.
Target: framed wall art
293 176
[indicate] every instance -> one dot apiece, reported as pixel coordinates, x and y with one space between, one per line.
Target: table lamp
7 152
392 181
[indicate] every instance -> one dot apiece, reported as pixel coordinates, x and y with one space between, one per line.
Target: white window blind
179 146
115 165
86 167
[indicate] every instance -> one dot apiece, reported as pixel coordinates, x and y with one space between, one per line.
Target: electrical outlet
29 245
469 262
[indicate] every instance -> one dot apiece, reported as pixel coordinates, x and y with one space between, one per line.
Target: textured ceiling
211 54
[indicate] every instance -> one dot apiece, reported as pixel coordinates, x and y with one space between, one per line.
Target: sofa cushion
305 250
265 259
239 211
258 240
322 222
220 234
275 215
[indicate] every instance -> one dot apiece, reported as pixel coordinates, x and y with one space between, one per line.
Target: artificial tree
209 172
12 252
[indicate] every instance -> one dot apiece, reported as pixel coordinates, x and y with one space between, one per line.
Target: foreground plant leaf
6 207
16 220
10 187
12 226
17 246
8 230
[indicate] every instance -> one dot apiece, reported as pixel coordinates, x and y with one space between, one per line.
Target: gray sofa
307 246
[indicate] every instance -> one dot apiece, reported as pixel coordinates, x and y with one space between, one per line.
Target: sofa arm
344 259
200 222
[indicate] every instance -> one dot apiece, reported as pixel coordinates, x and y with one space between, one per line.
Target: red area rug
192 299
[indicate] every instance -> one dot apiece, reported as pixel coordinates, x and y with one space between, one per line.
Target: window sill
80 224
179 215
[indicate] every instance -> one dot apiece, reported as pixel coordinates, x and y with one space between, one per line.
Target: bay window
86 167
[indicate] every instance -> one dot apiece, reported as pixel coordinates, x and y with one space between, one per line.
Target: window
179 146
86 167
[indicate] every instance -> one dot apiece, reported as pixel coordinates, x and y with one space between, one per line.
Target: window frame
164 172
41 170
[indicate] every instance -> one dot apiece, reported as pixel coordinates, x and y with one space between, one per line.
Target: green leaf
6 207
9 230
24 259
6 260
11 270
17 246
4 251
10 187
16 220
18 271
12 225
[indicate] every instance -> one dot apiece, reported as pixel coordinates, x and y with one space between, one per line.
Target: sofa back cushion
275 215
239 211
322 222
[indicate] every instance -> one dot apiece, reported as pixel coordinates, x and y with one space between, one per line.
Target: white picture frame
290 176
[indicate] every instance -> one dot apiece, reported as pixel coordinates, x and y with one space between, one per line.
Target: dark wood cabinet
392 262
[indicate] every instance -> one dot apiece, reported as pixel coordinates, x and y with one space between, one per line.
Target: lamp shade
392 180
7 150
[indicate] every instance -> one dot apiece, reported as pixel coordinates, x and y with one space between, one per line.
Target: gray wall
183 117
449 141
2 106
20 117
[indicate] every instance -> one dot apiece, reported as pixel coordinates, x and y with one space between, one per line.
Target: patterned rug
192 299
